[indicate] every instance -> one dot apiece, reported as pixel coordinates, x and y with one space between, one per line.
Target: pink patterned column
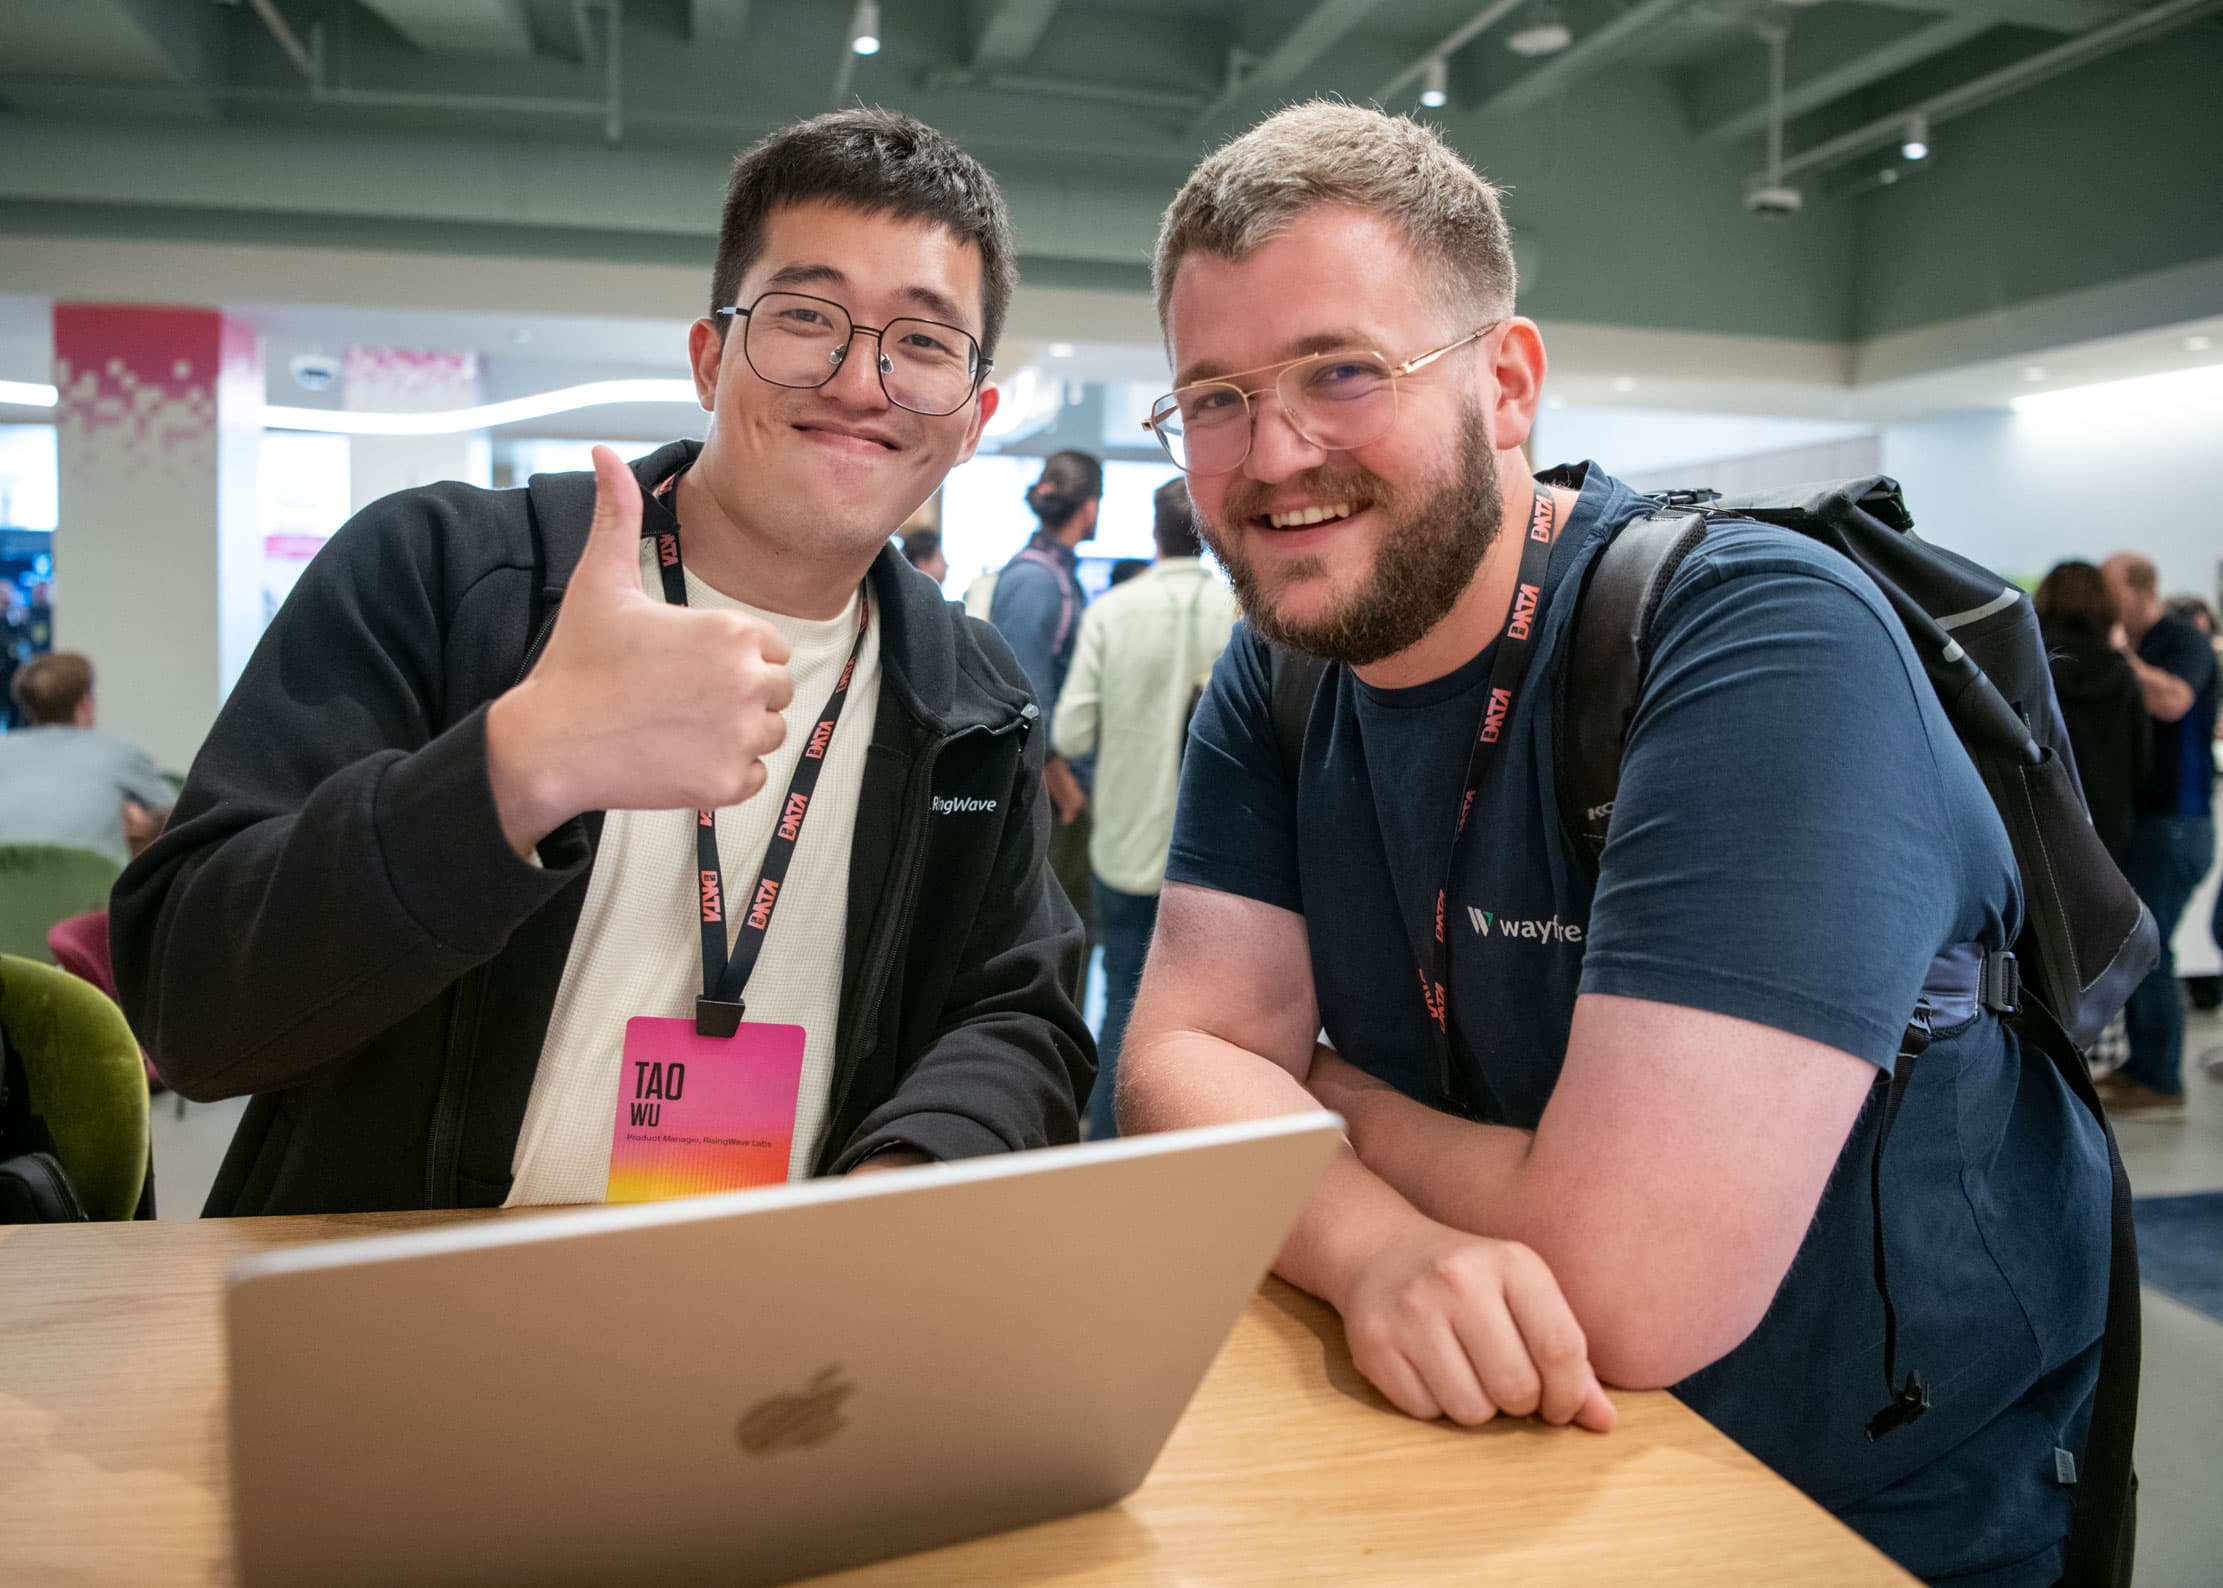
158 554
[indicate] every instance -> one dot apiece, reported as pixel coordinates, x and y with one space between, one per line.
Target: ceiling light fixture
1917 143
864 28
1624 383
28 394
2198 344
1435 85
1544 33
2033 372
1061 350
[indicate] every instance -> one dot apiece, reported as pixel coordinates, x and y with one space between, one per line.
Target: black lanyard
1507 674
719 1011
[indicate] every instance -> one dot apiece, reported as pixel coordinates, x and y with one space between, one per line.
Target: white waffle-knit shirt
638 950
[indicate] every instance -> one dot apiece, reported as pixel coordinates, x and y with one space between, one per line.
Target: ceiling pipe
2025 73
1457 39
310 61
962 79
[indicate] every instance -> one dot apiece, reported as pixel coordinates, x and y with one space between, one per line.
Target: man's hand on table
1449 1324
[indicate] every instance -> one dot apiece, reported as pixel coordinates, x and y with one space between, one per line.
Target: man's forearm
1189 1079
1457 1172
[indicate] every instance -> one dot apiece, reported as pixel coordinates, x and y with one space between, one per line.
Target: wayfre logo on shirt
1487 924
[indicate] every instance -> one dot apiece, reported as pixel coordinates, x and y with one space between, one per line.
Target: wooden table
1287 1467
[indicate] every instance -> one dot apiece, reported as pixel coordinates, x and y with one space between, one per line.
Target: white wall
2083 476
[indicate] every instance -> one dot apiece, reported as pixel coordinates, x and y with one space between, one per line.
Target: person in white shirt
1145 651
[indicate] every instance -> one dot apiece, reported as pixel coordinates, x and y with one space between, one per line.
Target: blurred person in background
1036 605
1127 568
2101 703
62 780
922 549
2173 842
1145 652
2202 617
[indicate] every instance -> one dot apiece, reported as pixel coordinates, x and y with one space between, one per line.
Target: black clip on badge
715 1017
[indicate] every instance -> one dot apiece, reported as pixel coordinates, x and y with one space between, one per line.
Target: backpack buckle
1999 987
1687 498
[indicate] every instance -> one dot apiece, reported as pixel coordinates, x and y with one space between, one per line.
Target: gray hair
1326 152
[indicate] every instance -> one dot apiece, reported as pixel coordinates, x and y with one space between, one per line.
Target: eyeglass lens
796 340
1335 401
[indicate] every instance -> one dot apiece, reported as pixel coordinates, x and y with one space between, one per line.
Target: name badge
698 1114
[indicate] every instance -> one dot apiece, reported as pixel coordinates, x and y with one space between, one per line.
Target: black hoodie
2109 731
335 923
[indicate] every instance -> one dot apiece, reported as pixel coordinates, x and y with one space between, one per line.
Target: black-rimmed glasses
1336 401
793 339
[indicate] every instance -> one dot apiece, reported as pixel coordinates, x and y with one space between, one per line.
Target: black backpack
2086 940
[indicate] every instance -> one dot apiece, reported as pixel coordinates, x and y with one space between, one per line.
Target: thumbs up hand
634 704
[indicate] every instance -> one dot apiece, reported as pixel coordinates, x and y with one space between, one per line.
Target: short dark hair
921 544
1069 482
1176 527
875 160
48 689
2074 596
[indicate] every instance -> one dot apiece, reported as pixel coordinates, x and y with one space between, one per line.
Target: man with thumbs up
533 802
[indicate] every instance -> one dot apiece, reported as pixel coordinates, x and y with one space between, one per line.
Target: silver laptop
747 1387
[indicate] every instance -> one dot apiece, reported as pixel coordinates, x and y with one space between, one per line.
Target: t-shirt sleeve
1783 847
2184 651
1235 828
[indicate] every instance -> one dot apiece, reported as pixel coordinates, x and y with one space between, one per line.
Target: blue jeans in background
1123 925
2167 857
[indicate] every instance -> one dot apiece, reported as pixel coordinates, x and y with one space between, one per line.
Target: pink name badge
697 1114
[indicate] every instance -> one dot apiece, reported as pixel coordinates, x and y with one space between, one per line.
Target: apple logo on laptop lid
798 1421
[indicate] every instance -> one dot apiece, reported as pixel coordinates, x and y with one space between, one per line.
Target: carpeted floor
2180 1248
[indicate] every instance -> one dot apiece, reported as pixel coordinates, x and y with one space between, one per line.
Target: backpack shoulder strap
1295 681
1603 671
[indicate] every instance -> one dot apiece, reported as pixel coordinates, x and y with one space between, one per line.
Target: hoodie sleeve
335 859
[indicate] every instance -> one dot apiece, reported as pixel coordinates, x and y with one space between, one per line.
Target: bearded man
1615 1122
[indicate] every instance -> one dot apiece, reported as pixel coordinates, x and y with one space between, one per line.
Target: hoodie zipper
910 866
446 1135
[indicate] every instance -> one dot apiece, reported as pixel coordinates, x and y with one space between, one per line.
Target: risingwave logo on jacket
1487 923
961 805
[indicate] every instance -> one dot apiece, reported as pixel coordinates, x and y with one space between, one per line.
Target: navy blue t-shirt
2183 769
1796 836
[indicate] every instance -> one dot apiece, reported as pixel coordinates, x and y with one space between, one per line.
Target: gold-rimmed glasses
1336 401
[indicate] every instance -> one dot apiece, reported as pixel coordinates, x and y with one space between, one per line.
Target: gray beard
1422 566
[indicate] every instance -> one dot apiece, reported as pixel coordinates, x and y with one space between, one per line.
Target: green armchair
85 1081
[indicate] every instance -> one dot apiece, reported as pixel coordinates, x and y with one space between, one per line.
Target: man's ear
1518 371
983 411
706 353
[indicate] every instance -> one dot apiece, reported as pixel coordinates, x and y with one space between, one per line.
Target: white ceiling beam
1823 88
1005 32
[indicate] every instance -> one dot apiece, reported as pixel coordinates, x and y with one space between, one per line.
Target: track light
1917 144
864 29
1544 33
1435 86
